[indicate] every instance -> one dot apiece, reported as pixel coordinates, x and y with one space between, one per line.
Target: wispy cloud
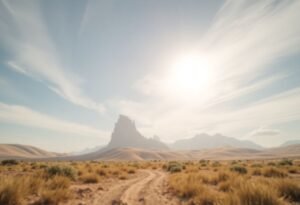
264 135
25 116
262 131
35 54
244 41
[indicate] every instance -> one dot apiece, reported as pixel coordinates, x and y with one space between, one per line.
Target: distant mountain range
290 142
127 143
87 150
223 153
125 134
204 141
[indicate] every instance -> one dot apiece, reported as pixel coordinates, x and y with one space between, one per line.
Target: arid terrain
148 172
151 182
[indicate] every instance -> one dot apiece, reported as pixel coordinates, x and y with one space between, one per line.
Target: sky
178 68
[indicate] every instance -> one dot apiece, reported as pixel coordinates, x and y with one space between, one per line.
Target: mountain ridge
203 141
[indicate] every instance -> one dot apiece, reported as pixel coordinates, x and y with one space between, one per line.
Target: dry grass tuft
53 197
273 172
12 192
289 189
258 194
90 179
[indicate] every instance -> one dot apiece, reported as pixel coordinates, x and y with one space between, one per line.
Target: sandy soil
147 187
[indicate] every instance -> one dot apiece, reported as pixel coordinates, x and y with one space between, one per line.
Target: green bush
285 162
61 171
9 162
174 167
239 169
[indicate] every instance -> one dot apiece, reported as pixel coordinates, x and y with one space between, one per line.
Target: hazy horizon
177 68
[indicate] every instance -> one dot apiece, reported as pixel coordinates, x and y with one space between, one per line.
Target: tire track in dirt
149 187
157 193
93 195
149 191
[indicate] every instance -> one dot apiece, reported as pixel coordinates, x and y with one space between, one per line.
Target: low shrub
271 164
216 164
123 177
53 197
174 167
285 162
293 170
256 172
131 171
239 169
9 162
273 172
256 165
90 179
61 171
101 172
225 186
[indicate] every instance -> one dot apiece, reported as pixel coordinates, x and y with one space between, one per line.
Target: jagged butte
125 134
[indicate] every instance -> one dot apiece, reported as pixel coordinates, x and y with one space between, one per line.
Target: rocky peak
125 134
124 123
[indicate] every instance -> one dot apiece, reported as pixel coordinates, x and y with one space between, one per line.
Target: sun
190 75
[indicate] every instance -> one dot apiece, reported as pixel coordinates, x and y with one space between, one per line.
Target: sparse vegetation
236 183
202 182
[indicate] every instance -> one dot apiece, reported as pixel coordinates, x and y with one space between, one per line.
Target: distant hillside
125 134
289 150
223 153
87 150
290 142
127 143
23 151
204 141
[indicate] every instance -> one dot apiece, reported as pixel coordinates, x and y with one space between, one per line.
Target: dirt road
147 188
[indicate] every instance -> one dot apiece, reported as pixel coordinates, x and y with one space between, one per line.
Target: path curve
149 187
151 190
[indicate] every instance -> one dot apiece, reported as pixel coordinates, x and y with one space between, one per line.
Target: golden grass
89 178
12 192
235 183
274 172
48 183
289 189
195 183
254 193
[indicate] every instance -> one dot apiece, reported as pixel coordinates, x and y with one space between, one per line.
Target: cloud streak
24 116
34 53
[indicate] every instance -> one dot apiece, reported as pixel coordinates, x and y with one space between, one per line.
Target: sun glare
190 76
